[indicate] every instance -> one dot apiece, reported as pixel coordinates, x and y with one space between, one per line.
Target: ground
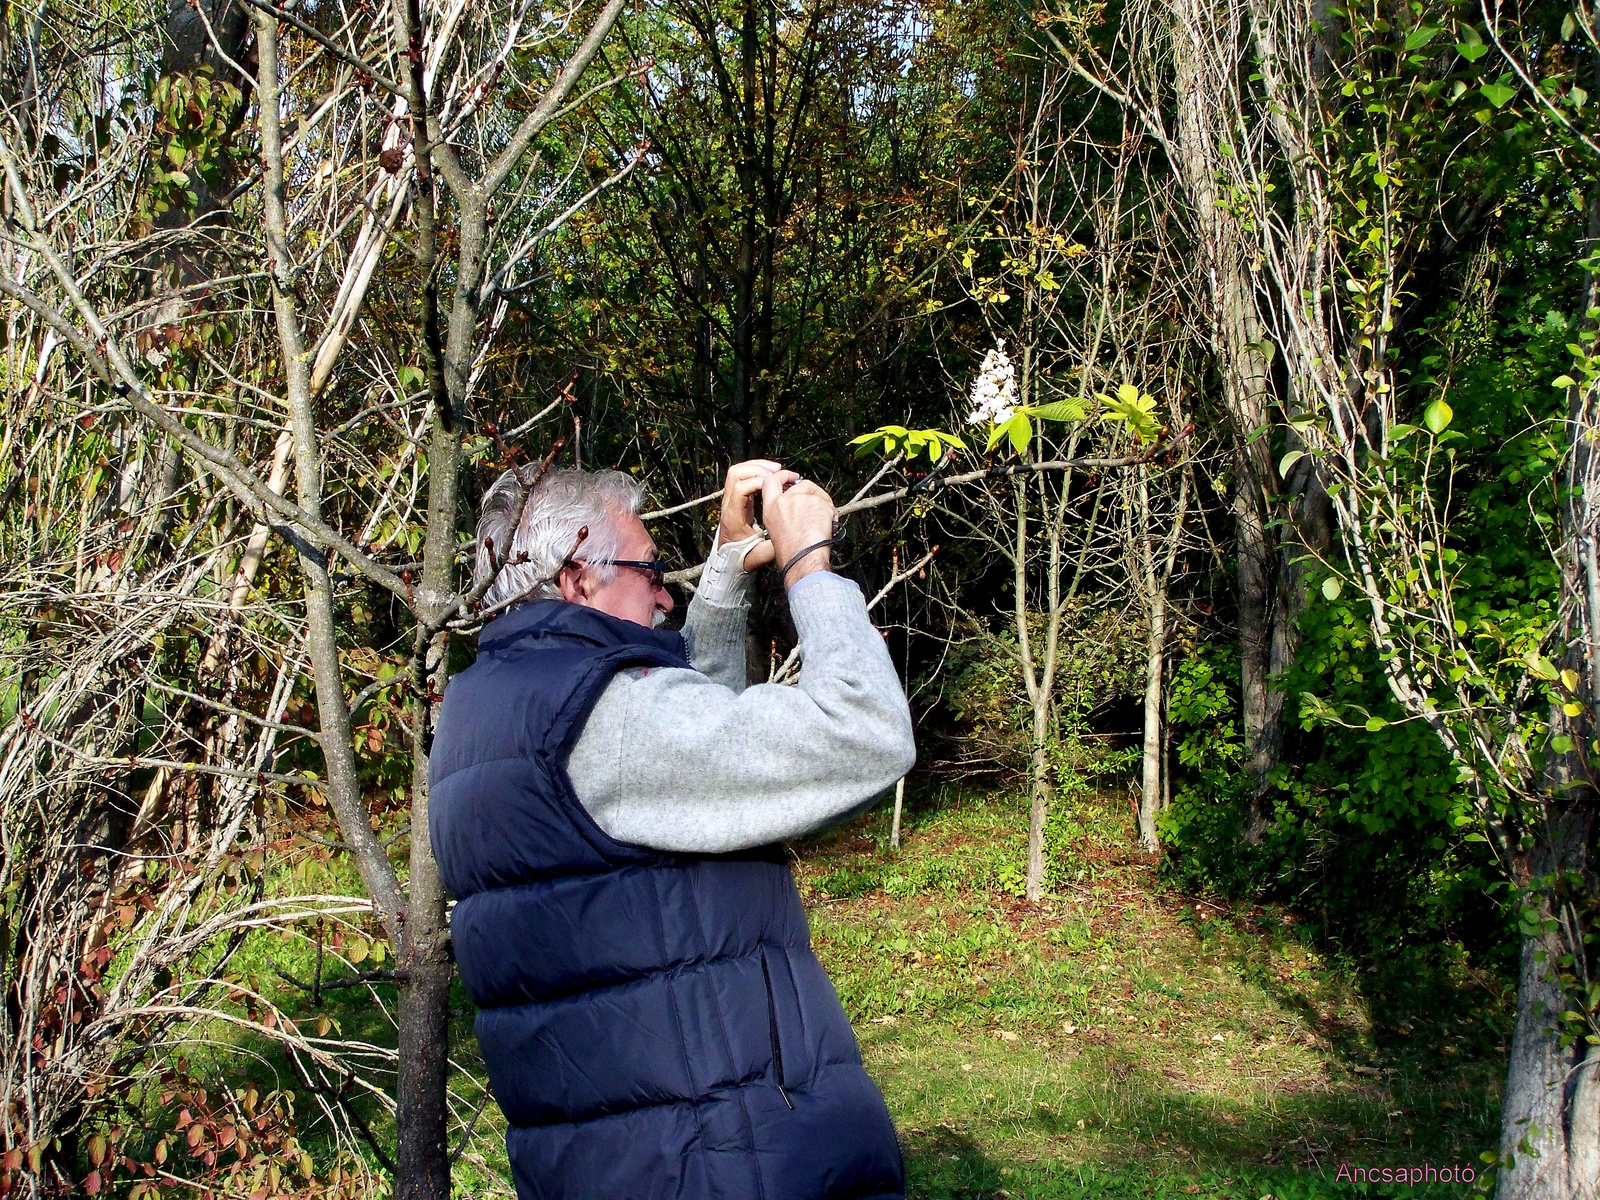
1120 1036
1116 1039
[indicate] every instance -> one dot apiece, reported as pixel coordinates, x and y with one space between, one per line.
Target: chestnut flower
994 391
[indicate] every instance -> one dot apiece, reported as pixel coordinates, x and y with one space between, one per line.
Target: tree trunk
899 804
422 1153
1550 1114
1547 1137
1039 807
1207 52
1150 796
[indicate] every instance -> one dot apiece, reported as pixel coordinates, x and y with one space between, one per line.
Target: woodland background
1250 654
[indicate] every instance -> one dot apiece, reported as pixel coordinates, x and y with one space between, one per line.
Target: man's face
630 594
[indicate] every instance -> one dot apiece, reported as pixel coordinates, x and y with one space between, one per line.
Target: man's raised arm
676 760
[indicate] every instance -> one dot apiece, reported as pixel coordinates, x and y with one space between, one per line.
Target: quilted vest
654 1024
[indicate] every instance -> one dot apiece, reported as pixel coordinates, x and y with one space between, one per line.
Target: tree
393 154
1088 316
1337 255
1177 68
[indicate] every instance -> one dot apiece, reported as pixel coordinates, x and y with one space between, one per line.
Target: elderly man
607 801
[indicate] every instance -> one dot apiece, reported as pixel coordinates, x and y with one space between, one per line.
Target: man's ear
574 588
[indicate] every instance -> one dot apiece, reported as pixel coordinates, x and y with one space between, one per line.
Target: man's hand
798 514
739 508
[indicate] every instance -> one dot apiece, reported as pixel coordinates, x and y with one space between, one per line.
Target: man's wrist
818 559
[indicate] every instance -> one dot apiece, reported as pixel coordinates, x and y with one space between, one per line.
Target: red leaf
91 1185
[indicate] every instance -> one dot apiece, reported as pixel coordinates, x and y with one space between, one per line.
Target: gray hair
561 504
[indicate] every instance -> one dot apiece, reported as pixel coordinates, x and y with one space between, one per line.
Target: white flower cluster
994 391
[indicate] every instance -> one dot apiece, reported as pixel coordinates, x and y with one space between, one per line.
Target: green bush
1363 840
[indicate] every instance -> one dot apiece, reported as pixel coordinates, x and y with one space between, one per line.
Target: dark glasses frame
656 569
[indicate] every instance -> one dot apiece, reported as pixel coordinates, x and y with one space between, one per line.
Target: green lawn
1118 1039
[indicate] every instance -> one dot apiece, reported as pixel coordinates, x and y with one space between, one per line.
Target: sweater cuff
710 630
822 598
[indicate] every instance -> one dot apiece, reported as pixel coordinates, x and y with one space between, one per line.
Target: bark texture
1548 1113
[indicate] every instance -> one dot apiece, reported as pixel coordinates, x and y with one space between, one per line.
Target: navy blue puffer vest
654 1025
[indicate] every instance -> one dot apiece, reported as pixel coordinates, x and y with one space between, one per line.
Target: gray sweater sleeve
677 760
714 635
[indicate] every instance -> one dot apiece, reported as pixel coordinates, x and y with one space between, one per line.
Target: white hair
547 522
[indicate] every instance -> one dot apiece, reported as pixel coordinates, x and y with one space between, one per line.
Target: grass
1117 1039
1121 1036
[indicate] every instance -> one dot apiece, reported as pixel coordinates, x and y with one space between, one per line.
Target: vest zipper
772 1028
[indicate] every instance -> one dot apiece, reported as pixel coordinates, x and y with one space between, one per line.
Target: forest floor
1118 1039
1122 1039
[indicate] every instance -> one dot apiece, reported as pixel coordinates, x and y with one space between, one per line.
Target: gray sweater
695 761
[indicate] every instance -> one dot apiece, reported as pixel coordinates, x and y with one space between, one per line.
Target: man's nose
663 599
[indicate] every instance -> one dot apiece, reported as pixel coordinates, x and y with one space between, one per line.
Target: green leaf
1020 430
1134 409
1061 410
1287 462
1437 417
1497 94
1569 26
176 153
1564 381
1471 53
995 434
1399 433
1541 666
1331 588
1376 723
1418 38
1561 744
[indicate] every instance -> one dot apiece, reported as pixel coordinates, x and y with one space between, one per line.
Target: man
606 802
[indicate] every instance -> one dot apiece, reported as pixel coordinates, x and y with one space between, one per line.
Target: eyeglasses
656 569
